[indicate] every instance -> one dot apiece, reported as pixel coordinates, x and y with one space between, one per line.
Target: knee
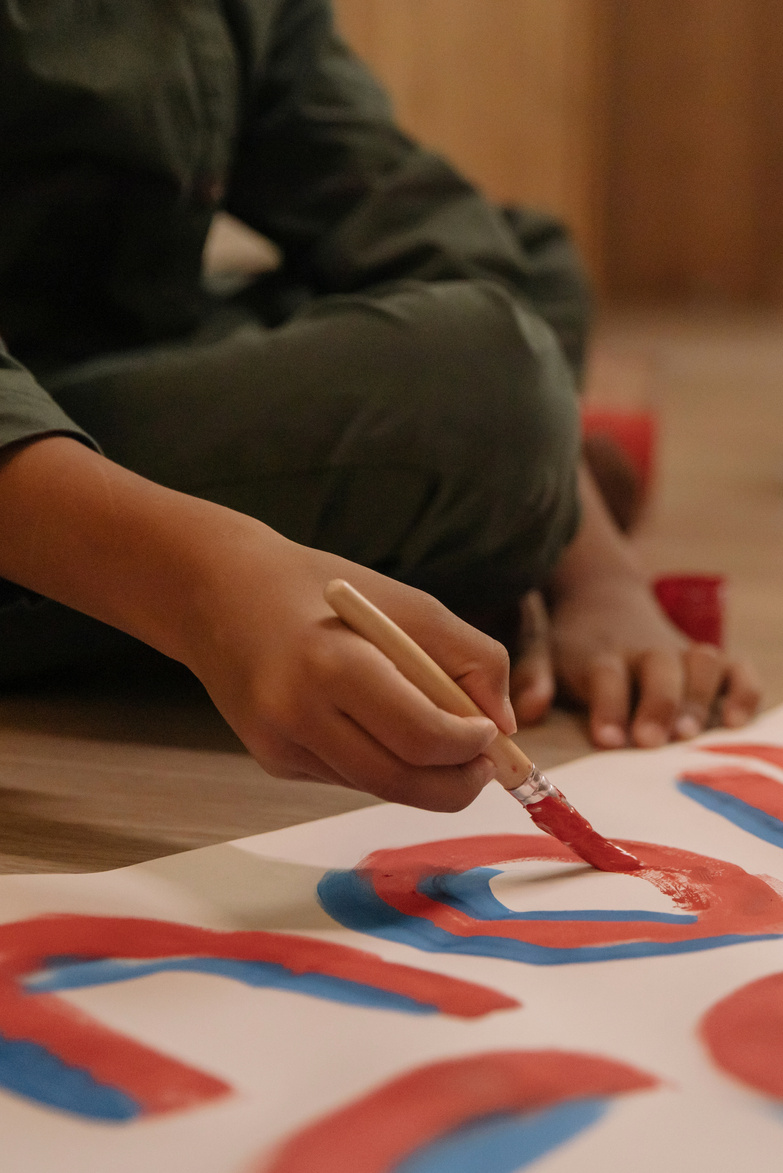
456 466
502 428
492 392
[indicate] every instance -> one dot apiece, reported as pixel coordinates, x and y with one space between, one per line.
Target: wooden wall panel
508 89
654 127
695 150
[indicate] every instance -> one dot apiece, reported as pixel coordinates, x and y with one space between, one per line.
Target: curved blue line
350 899
68 974
504 1143
29 1070
740 813
469 892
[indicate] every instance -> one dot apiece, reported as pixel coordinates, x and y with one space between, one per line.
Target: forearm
82 530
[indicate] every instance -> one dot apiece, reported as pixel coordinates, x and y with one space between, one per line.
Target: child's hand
311 699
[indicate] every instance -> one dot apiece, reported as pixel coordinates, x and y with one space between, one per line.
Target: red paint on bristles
555 815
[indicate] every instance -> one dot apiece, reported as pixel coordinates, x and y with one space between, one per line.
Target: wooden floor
100 773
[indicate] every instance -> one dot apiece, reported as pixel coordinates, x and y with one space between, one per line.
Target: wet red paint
158 1083
763 753
556 816
725 898
375 1133
744 1034
758 790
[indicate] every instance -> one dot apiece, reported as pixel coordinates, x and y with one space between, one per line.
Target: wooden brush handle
415 665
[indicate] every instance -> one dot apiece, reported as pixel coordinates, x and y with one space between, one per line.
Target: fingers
609 698
532 684
370 690
716 687
349 716
336 750
364 764
743 694
705 668
661 678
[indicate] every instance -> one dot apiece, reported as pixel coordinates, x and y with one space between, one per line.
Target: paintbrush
546 805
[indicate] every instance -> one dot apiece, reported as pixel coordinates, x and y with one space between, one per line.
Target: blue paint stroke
70 974
29 1070
350 899
740 813
469 892
504 1143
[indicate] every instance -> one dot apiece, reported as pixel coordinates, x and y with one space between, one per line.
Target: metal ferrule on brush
535 788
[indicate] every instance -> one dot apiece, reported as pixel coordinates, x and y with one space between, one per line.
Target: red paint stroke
757 790
555 815
763 753
726 899
158 1083
744 1034
373 1134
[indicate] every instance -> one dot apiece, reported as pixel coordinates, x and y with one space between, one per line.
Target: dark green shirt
125 124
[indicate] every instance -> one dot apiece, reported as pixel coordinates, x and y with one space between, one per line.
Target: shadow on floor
142 697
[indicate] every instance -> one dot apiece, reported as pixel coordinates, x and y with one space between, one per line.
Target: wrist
225 565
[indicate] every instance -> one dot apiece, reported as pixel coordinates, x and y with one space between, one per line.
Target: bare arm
243 608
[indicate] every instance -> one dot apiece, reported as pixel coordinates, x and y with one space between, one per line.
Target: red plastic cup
633 431
695 603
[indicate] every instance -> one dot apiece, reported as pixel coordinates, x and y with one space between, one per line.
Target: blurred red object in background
695 603
634 432
619 448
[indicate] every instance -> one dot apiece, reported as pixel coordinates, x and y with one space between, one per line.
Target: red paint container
695 603
633 431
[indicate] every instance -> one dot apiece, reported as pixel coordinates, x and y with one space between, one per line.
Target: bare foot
611 648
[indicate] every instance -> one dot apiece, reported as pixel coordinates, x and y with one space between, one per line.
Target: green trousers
426 429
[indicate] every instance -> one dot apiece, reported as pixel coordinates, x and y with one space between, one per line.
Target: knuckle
498 657
282 709
326 660
276 708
